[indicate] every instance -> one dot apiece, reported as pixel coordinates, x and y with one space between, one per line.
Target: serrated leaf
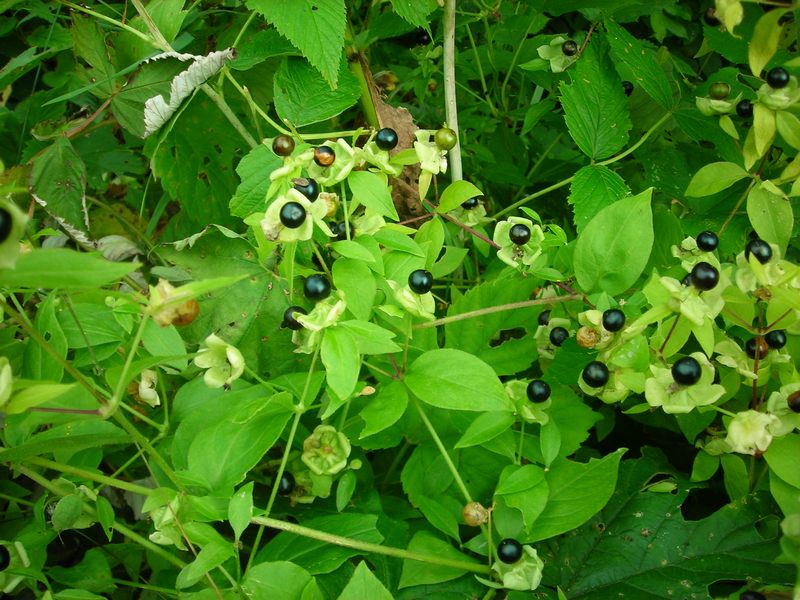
595 106
414 11
764 41
593 188
253 172
315 27
457 193
641 62
714 178
58 183
770 215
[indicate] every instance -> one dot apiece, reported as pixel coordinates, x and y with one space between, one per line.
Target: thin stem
140 439
102 17
451 107
274 124
493 309
146 586
369 547
123 376
669 335
343 197
735 208
96 477
232 118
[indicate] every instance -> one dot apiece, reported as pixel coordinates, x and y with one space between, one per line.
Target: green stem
123 376
369 547
96 477
140 439
451 107
232 118
493 309
102 17
146 586
274 124
367 102
343 196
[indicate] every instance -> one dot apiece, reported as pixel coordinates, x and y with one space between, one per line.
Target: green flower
710 106
749 431
554 54
325 314
731 355
346 158
224 363
6 381
662 390
780 99
9 249
693 304
368 222
147 388
592 321
316 211
530 412
542 336
730 12
419 305
621 382
472 217
751 274
325 451
778 405
431 158
689 255
380 159
164 517
515 255
523 575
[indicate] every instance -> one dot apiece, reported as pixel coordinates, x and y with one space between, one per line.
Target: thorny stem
494 309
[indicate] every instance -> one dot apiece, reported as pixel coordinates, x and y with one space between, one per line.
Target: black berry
755 345
686 371
704 276
544 318
308 187
687 280
744 108
707 241
778 78
286 484
5 558
758 248
324 156
6 224
283 145
340 231
595 374
558 335
794 401
420 281
316 287
290 318
752 596
719 90
710 17
386 138
509 551
569 48
293 215
627 87
520 234
613 319
445 138
776 339
471 203
538 391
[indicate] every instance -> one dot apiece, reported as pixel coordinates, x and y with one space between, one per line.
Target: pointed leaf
714 178
593 188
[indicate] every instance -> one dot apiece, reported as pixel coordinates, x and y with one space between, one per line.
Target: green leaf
593 188
105 515
211 556
240 509
351 249
67 512
788 127
524 488
278 579
550 442
414 11
614 247
222 453
642 63
38 362
577 491
370 338
92 573
345 489
355 280
363 584
165 341
385 409
782 456
421 573
251 193
371 190
430 236
398 241
770 215
339 354
764 126
303 98
735 477
714 178
456 194
486 427
50 268
595 105
36 395
456 380
315 27
90 45
74 436
58 183
764 41
704 466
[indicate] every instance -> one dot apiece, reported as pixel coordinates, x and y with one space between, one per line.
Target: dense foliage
399 299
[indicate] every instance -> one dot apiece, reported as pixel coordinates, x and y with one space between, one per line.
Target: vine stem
369 547
97 478
232 118
123 376
451 108
494 309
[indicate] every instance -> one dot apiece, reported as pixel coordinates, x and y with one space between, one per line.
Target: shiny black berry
308 187
686 371
776 339
613 319
420 281
324 156
754 345
778 78
520 234
289 318
316 287
544 318
292 215
5 558
283 145
793 400
6 224
744 108
340 231
707 241
595 374
509 551
704 276
627 87
758 248
710 17
538 391
558 335
286 484
752 596
569 48
386 138
445 138
471 203
719 90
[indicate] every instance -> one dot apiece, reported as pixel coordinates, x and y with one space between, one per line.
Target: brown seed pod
794 401
186 313
586 337
475 514
324 156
